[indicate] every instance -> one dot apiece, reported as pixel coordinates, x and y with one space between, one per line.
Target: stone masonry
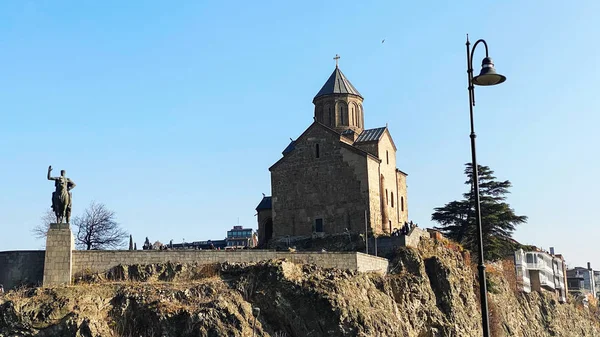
337 176
101 261
58 260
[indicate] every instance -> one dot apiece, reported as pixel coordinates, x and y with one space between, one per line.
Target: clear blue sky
170 113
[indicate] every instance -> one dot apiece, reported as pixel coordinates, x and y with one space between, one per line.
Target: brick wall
21 268
100 261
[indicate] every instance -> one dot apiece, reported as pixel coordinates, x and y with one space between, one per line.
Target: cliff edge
429 291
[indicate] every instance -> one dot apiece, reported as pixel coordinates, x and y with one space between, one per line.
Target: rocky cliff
429 291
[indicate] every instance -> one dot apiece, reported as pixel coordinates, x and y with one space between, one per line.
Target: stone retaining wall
22 267
100 261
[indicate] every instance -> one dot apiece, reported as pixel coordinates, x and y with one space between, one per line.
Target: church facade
336 176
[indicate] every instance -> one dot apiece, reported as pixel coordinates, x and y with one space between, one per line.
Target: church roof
337 84
370 135
265 203
289 148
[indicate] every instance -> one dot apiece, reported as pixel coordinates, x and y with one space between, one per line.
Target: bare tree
98 229
41 230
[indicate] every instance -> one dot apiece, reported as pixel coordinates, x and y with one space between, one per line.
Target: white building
541 271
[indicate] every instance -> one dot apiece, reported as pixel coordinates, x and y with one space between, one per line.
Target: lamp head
488 74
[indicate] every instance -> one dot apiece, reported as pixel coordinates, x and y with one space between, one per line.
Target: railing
544 281
534 265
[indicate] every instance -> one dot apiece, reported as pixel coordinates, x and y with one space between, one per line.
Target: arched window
387 156
392 199
317 154
387 201
353 116
342 115
402 204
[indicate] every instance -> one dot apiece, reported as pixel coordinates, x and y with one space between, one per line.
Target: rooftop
265 203
370 135
337 84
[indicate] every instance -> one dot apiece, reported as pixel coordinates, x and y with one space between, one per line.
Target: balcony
546 282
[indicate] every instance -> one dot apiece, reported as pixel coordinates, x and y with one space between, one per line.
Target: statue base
59 257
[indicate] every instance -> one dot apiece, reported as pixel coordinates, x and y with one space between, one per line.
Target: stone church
336 175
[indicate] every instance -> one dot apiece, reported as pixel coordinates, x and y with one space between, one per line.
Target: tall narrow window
386 197
387 156
402 204
392 199
353 116
317 152
342 115
331 122
319 225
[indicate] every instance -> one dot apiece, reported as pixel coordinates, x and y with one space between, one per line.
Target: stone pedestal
58 261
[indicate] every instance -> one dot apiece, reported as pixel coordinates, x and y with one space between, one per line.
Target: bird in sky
382 41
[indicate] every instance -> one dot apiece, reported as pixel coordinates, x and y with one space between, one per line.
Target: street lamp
255 313
486 77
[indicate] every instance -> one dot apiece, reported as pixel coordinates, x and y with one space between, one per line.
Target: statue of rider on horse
61 198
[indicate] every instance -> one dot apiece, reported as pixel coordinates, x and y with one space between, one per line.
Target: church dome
337 84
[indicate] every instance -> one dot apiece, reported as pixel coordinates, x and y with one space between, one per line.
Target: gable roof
370 135
374 135
337 84
292 145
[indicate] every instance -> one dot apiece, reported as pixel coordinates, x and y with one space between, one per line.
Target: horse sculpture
61 197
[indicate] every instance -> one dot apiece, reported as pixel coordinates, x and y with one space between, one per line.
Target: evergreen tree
457 218
130 242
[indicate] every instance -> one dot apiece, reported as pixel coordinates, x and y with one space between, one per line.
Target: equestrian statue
61 197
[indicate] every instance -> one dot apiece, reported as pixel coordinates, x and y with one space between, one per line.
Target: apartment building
540 271
583 281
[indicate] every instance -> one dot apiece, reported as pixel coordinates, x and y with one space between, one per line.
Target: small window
387 156
402 204
529 258
342 115
317 152
387 201
392 199
319 225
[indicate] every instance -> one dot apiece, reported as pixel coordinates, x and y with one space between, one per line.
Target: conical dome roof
337 84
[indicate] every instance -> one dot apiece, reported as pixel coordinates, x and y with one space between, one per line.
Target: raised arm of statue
49 171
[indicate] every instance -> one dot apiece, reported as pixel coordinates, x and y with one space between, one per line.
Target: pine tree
457 218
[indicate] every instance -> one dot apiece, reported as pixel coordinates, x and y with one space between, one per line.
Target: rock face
428 292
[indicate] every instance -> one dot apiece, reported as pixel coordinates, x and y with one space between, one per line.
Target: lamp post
255 313
486 77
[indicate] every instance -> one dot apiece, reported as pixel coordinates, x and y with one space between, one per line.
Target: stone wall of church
340 112
387 154
387 190
332 187
375 216
402 197
265 226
